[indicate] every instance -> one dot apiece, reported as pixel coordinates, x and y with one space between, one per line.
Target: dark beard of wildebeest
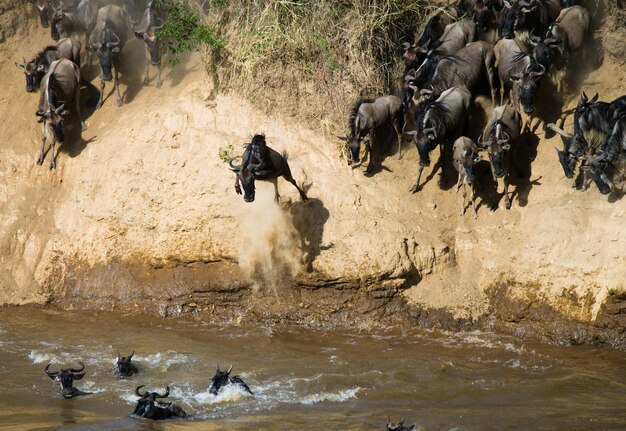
262 163
467 67
399 426
223 378
367 117
35 69
439 123
149 407
108 39
124 366
145 29
500 137
66 377
59 88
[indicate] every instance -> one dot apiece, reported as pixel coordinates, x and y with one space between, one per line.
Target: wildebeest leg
146 79
442 176
237 186
102 84
276 195
460 183
117 88
415 187
159 82
398 128
53 162
42 155
474 193
292 181
507 199
83 126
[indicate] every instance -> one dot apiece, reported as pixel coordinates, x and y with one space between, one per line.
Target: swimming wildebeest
66 377
124 366
439 123
467 67
464 157
37 68
500 137
518 73
146 29
399 426
262 163
223 378
59 88
108 38
149 406
371 116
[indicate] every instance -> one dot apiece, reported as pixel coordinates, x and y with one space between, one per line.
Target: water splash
336 397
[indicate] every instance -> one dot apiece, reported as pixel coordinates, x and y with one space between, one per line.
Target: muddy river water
302 379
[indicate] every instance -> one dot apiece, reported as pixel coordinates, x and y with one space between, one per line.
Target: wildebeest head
527 83
43 9
220 379
482 15
542 49
566 158
466 162
246 176
399 426
149 407
54 117
508 21
34 71
66 377
425 139
124 365
56 25
106 49
496 145
146 29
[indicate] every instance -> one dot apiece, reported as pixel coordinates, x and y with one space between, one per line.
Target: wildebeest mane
439 108
520 56
55 91
354 111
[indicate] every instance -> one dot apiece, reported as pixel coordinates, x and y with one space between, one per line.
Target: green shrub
226 153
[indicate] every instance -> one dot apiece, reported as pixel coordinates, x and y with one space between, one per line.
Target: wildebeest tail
285 155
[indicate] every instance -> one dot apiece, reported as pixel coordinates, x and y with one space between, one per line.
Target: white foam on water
38 357
336 397
89 386
227 394
164 361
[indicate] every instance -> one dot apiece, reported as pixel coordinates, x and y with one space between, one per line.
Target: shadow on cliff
309 219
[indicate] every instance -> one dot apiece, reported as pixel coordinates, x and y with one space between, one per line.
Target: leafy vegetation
183 30
226 153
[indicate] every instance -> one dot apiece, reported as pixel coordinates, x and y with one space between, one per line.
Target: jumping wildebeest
464 157
466 67
440 123
223 378
124 366
501 135
515 64
262 163
149 407
371 116
399 426
108 39
66 377
145 29
37 68
59 88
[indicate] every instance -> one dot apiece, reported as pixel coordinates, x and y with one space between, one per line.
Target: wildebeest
518 73
149 406
146 29
59 88
223 378
466 67
108 38
124 366
570 28
80 19
439 123
527 15
66 377
611 157
37 68
262 163
45 8
501 135
464 157
435 26
371 116
399 426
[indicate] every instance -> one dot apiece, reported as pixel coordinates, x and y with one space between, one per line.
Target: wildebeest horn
406 45
50 373
413 87
421 49
513 76
427 130
534 38
506 138
82 366
229 369
131 355
252 166
560 131
139 394
507 4
112 44
543 70
56 111
425 91
94 45
167 392
234 168
159 27
409 77
583 98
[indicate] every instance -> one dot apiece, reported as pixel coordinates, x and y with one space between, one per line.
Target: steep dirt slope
141 214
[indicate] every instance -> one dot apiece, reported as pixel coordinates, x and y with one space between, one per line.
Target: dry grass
311 59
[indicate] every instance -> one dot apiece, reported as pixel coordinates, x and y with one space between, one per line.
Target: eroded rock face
141 215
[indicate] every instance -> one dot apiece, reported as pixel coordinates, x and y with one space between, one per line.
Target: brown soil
141 214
